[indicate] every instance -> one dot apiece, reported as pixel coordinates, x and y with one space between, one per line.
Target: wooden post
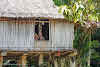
62 62
55 63
19 62
1 61
72 63
40 59
24 60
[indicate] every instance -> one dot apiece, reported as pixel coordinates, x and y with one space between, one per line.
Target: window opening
42 30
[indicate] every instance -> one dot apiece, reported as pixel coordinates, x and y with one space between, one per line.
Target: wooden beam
31 19
63 53
3 19
31 52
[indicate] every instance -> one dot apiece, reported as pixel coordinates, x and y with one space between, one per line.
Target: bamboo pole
1 61
55 63
24 60
19 62
40 59
72 63
62 62
89 57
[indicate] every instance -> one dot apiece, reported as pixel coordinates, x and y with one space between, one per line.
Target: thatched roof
29 8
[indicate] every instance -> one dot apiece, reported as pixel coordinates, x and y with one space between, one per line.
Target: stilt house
32 30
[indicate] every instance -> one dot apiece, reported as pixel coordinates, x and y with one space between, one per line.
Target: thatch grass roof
29 8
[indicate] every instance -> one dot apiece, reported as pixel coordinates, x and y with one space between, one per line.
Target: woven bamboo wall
20 37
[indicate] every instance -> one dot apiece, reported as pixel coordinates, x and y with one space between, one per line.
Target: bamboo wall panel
62 36
16 36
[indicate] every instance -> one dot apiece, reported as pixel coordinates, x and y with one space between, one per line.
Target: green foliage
95 55
84 45
62 2
94 44
78 11
95 52
44 65
84 13
96 35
